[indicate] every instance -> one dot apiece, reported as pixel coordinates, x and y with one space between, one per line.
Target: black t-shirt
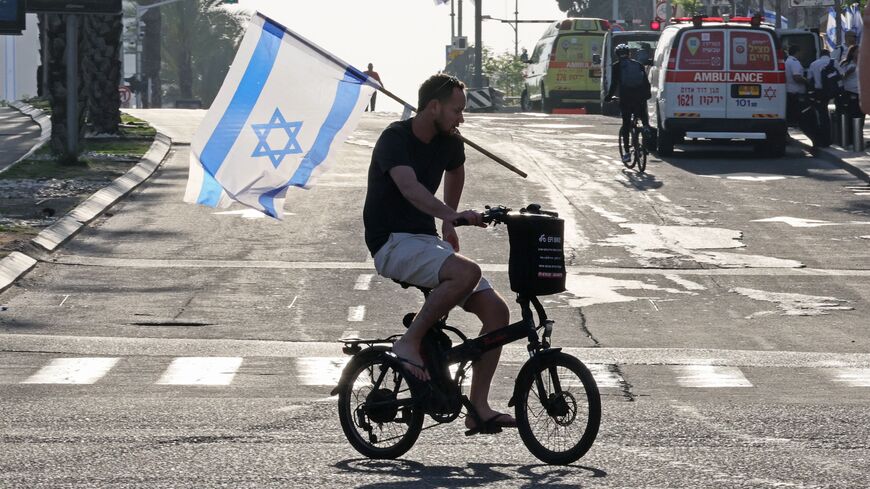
386 209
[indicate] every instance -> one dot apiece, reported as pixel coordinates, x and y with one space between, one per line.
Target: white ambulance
719 78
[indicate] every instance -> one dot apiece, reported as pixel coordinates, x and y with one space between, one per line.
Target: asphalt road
720 299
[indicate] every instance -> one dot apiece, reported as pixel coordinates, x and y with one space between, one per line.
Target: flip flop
410 374
492 426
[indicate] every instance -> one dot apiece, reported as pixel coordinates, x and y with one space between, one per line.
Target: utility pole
478 44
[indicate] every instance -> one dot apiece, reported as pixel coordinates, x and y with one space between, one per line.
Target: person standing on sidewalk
371 73
821 71
795 85
849 101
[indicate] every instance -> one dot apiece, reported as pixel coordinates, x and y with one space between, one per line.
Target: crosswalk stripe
363 282
855 377
710 376
72 371
320 370
356 313
201 371
606 376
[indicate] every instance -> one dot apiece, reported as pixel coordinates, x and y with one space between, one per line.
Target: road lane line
854 377
364 281
710 376
72 371
201 371
356 313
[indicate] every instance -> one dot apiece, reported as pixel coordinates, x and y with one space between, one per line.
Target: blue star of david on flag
277 122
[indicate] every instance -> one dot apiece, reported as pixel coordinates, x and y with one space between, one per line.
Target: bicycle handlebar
499 213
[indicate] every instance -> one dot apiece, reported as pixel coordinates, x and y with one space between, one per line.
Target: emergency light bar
698 20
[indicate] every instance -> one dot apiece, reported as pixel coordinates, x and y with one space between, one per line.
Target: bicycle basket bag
537 257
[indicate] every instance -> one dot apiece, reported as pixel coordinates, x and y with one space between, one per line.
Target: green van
564 69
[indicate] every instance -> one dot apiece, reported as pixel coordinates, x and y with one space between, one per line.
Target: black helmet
622 49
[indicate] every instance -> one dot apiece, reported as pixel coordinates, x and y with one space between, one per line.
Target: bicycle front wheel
558 408
375 406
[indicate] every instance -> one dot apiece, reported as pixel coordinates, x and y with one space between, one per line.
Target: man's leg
374 97
489 306
625 109
458 278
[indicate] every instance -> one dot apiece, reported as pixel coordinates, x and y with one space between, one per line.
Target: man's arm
797 74
420 197
614 80
454 182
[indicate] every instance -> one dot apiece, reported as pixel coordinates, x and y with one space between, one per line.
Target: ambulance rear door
756 87
697 87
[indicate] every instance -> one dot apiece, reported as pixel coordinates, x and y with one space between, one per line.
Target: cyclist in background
629 82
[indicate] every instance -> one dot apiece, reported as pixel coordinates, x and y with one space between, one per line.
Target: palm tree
101 70
56 91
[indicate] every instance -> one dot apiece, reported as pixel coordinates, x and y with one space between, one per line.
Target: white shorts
417 259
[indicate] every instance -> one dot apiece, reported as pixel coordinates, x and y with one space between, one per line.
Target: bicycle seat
405 285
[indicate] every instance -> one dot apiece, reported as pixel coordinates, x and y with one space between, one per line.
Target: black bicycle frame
525 327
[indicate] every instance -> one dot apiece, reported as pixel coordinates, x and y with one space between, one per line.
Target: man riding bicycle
407 166
629 78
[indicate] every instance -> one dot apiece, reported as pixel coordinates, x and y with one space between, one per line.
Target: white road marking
324 371
687 284
710 376
855 377
72 371
794 304
201 371
245 214
356 313
797 222
606 376
556 126
363 282
64 300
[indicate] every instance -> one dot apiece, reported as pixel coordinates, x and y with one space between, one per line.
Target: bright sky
404 39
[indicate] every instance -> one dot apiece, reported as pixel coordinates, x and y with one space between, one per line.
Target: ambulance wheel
546 105
664 143
525 103
774 145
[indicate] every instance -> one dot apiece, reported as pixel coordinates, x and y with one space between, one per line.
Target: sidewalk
26 129
23 130
857 164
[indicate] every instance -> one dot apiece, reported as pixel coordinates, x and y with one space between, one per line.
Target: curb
53 237
40 118
834 156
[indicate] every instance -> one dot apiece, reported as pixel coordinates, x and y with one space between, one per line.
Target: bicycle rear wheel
640 151
558 408
375 406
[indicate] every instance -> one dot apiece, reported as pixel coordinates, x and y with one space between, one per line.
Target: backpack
631 74
831 80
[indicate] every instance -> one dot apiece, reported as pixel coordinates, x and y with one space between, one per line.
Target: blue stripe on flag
346 98
239 109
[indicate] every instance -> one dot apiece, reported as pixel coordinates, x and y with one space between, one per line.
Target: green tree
691 7
199 44
505 72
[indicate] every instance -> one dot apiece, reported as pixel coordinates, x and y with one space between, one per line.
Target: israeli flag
857 21
831 29
282 111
